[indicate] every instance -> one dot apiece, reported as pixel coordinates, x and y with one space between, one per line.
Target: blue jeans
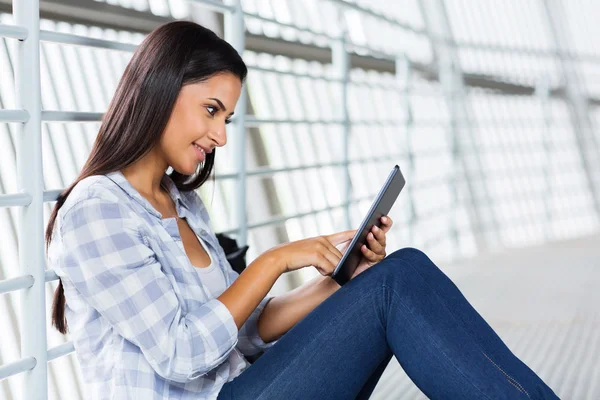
403 306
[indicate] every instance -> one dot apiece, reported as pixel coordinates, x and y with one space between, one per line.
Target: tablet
381 206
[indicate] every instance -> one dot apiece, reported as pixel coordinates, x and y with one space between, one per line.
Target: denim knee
389 265
409 253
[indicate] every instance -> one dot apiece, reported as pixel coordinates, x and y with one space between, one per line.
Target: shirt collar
174 192
118 178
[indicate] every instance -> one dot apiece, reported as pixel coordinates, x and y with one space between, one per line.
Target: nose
219 135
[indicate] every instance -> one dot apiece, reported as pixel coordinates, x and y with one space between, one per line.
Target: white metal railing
15 199
29 115
26 364
35 355
67 38
34 351
70 116
14 115
13 284
14 32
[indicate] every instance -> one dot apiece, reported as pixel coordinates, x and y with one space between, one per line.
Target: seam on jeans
457 318
518 388
440 350
314 339
516 383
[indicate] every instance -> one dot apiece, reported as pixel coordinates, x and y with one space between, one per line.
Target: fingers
376 239
386 223
331 252
379 235
373 250
329 255
340 237
343 246
376 243
370 255
332 258
331 248
328 262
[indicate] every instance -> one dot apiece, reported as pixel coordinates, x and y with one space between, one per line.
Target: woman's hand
320 252
375 251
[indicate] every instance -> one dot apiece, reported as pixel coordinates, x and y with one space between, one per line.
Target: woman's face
197 124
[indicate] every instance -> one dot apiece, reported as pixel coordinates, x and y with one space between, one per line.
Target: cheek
191 127
180 134
170 141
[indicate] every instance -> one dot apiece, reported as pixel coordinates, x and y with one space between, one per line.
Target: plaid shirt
143 323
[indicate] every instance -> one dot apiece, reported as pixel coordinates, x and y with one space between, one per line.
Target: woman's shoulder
92 191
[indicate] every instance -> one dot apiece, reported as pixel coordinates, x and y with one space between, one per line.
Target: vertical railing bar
295 139
235 35
315 144
462 104
575 99
451 80
30 179
403 77
542 91
341 62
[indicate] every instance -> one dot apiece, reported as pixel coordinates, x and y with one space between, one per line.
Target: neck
146 174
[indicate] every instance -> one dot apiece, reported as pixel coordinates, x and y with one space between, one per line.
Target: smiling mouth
199 148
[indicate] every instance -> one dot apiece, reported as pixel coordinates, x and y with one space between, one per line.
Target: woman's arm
106 258
286 310
283 312
250 288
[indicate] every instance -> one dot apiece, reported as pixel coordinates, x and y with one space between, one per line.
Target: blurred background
491 109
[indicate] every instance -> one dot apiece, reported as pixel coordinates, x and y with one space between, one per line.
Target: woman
155 310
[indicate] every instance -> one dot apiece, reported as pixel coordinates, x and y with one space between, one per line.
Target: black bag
235 255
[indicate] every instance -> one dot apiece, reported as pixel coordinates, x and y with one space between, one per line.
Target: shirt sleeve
250 342
108 261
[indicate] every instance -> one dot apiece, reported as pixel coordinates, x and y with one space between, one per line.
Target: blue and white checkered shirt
143 323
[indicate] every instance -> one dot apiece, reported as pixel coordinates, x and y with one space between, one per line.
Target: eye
212 110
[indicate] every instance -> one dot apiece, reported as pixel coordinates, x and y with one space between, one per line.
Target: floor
544 302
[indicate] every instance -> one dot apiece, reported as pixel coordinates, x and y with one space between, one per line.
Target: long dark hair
171 56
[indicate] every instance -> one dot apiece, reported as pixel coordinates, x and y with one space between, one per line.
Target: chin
189 169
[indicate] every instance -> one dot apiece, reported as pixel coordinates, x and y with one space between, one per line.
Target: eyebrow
220 104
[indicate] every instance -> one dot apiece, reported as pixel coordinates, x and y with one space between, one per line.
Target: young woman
155 310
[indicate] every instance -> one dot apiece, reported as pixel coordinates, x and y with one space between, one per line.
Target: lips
200 154
206 150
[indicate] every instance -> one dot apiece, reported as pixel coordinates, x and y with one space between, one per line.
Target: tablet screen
380 207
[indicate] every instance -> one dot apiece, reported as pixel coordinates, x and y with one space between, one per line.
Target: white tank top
212 275
215 282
